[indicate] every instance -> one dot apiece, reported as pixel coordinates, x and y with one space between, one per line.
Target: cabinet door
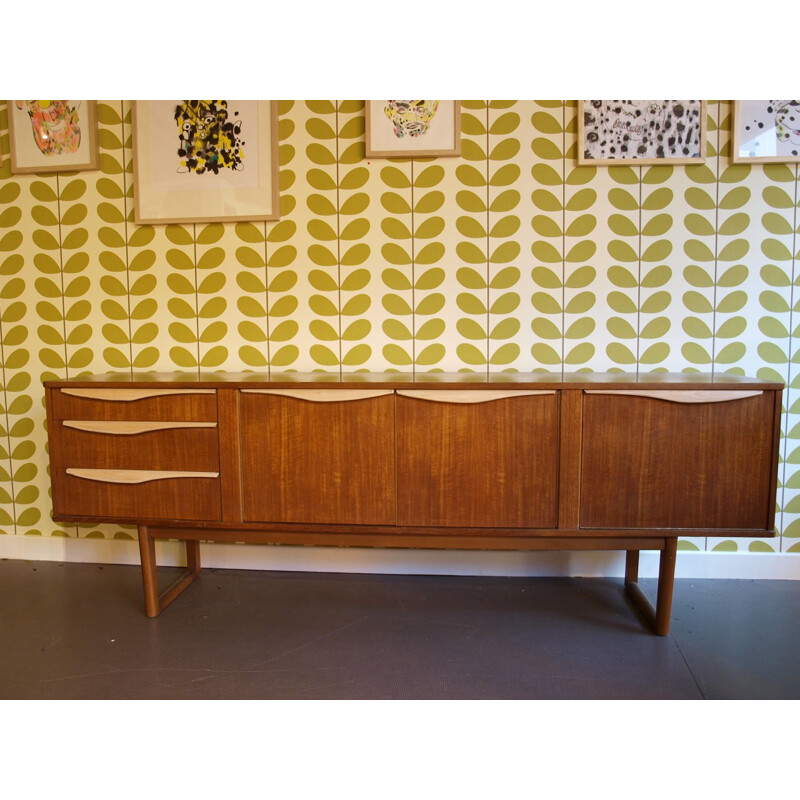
318 456
677 460
477 458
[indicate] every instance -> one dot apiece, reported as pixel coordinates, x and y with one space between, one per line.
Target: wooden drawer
186 405
477 458
117 444
159 495
678 460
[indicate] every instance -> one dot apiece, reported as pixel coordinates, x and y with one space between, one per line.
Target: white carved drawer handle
476 396
125 428
134 476
677 396
127 395
323 395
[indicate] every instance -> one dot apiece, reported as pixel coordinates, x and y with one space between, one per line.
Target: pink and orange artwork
52 135
55 124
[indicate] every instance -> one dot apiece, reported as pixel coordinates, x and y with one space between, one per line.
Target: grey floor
78 631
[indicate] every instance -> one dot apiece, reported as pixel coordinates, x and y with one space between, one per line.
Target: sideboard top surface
441 380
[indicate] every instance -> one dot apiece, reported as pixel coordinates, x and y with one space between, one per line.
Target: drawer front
188 405
104 444
670 462
488 460
159 495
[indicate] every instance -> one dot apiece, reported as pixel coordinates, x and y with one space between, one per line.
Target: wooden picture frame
403 128
766 132
641 132
53 136
205 161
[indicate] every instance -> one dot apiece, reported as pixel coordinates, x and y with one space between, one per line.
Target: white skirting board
595 564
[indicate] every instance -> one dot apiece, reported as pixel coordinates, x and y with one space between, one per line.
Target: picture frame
641 132
403 128
205 161
766 132
48 136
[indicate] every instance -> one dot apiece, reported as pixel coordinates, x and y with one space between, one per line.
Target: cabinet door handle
127 395
323 395
124 428
134 476
469 396
678 396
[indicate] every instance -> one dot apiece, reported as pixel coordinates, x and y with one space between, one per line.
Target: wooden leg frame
155 603
657 618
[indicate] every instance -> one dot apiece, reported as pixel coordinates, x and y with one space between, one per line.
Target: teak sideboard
458 461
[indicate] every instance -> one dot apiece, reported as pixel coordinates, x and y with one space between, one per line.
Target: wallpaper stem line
639 277
488 244
563 236
413 275
268 320
7 423
718 167
338 234
126 227
789 393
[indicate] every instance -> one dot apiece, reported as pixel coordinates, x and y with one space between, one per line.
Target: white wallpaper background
509 257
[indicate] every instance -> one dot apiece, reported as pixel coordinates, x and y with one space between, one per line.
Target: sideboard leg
666 584
631 566
193 555
155 603
147 551
657 618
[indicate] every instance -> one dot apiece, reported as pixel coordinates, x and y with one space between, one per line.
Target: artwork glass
766 131
205 160
52 135
413 128
641 131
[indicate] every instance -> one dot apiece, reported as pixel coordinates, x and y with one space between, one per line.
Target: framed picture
52 135
766 131
413 128
641 131
205 160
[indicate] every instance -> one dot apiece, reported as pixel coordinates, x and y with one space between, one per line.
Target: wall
508 258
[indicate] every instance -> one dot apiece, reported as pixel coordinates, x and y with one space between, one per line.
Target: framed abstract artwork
766 131
413 128
205 160
52 135
641 131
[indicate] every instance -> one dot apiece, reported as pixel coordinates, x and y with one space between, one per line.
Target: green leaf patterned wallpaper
508 258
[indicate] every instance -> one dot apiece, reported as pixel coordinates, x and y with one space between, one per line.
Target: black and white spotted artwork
642 129
767 129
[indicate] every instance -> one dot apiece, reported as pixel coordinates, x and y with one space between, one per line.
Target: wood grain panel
127 395
649 463
466 396
490 464
682 396
190 407
171 449
316 462
323 395
173 498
